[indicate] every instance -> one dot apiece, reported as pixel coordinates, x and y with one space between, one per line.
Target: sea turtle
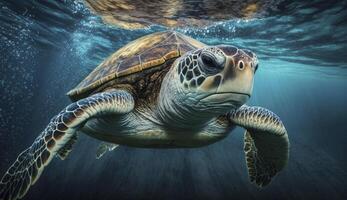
163 90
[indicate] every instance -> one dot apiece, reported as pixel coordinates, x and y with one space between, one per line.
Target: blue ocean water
46 48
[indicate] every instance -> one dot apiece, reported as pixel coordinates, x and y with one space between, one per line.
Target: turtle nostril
241 65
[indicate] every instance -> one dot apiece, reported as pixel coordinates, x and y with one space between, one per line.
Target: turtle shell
136 57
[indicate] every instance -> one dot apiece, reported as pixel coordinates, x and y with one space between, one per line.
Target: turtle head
210 81
219 77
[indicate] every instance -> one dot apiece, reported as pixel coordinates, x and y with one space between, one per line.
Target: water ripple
312 32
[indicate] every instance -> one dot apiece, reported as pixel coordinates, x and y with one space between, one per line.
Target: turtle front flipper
62 128
266 142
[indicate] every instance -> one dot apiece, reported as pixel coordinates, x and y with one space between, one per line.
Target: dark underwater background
47 47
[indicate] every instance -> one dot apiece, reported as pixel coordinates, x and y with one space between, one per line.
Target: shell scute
124 69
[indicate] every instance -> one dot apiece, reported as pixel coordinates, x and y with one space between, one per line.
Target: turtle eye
208 61
211 62
241 65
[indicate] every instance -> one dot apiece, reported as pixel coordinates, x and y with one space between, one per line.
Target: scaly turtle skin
164 90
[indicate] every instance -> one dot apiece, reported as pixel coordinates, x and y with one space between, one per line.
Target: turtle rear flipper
266 142
103 148
59 132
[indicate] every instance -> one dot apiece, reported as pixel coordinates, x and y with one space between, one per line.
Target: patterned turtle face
218 73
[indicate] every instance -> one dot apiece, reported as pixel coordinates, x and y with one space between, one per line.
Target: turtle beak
237 77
